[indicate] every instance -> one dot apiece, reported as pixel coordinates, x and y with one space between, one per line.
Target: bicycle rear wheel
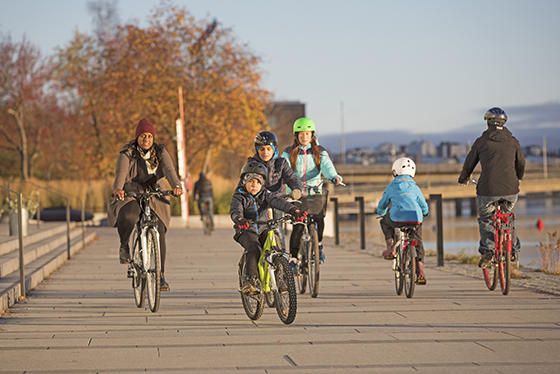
138 280
409 267
491 276
286 295
505 272
153 275
207 225
313 261
253 304
397 267
301 278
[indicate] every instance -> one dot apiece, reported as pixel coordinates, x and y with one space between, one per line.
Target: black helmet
253 167
265 138
495 116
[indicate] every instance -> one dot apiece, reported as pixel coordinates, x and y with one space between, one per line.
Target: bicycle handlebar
272 221
331 180
149 193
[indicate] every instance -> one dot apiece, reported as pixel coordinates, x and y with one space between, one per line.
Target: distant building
362 156
281 116
533 150
423 148
448 150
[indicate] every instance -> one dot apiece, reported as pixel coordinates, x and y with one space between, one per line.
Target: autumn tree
135 73
26 100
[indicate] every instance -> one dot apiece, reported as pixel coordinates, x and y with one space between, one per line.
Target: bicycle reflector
414 243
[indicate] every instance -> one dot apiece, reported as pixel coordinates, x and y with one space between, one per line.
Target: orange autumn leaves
134 72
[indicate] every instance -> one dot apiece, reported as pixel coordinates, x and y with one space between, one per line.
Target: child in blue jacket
408 207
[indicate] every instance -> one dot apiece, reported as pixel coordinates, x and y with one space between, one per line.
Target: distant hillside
371 139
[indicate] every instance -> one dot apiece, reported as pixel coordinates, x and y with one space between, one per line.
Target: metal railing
67 199
437 198
20 237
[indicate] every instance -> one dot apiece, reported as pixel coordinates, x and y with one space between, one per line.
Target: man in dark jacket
503 165
203 193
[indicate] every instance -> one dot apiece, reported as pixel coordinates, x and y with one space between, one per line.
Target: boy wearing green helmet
309 161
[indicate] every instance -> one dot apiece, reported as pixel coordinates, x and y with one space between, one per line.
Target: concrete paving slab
83 319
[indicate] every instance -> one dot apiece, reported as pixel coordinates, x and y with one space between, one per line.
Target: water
461 233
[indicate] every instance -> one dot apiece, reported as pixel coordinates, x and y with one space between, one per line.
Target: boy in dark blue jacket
408 207
250 203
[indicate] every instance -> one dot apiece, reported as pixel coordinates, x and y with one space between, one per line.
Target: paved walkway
83 320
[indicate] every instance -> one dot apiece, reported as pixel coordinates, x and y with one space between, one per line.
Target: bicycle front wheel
153 274
286 295
409 266
138 280
313 261
399 279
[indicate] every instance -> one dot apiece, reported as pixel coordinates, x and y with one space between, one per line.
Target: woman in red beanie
141 165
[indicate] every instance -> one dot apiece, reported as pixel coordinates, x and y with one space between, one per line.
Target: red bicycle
500 266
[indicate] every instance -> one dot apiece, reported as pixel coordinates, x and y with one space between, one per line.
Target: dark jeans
252 243
297 232
128 216
485 211
388 227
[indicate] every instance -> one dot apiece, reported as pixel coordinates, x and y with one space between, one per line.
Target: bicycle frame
503 227
145 223
267 278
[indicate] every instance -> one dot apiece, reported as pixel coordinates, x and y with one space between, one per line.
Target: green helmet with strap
303 124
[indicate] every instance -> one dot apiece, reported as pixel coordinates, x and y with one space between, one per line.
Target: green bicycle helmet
303 124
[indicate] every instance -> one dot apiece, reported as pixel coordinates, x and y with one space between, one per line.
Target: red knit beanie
143 127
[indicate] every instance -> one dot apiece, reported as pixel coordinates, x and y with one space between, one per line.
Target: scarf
151 159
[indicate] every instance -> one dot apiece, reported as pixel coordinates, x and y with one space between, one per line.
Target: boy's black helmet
253 167
495 116
265 138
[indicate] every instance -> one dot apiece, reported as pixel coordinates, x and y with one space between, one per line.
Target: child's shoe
321 254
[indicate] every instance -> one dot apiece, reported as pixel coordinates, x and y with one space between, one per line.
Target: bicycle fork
144 247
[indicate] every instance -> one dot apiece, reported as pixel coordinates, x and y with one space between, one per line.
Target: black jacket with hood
254 208
502 162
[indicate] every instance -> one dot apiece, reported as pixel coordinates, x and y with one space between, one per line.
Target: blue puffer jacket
306 169
407 202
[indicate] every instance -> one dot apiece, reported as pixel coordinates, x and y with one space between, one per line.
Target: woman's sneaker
124 254
163 285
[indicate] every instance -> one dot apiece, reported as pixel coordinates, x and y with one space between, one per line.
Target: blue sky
418 66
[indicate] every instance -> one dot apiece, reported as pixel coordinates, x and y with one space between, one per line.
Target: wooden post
336 223
361 218
439 226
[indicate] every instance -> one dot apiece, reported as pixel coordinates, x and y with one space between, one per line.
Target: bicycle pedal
130 272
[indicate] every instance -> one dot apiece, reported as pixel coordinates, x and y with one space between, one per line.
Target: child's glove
298 215
295 194
242 224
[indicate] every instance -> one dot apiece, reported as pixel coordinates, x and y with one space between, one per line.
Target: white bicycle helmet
404 166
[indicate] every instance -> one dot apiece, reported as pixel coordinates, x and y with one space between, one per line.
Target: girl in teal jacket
308 160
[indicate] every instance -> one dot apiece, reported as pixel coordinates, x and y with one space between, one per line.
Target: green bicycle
275 278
